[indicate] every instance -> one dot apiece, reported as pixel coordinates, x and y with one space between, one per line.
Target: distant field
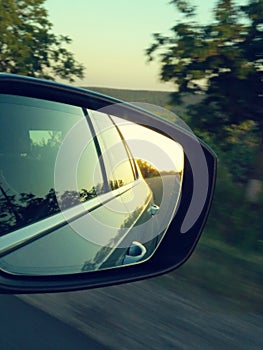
158 98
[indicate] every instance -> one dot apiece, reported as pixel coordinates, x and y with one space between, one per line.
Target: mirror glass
81 190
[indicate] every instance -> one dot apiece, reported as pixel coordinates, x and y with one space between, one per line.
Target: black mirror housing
184 227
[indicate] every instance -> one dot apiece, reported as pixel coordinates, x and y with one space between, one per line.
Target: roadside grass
225 271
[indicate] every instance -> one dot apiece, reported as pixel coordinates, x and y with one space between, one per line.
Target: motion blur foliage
221 61
233 219
28 46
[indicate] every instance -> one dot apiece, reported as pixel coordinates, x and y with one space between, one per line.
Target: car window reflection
32 133
115 156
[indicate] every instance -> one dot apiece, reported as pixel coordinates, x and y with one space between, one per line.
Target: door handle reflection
153 209
135 253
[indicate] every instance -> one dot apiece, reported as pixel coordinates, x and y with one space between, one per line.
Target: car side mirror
94 191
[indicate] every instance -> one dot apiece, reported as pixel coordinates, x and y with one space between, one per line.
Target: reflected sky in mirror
162 152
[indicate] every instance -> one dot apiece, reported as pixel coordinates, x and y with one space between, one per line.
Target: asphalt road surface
24 327
161 313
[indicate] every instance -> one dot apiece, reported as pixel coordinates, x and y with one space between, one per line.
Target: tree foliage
223 59
28 46
147 169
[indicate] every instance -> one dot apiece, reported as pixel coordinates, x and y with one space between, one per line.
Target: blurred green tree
28 46
223 61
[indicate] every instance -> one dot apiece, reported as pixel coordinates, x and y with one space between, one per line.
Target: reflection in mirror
160 159
78 193
31 134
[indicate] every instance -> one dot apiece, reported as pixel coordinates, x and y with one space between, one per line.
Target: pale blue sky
110 38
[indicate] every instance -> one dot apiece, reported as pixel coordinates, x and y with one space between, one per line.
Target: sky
110 38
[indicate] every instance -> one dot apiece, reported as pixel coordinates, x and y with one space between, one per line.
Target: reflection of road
159 183
166 191
162 313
